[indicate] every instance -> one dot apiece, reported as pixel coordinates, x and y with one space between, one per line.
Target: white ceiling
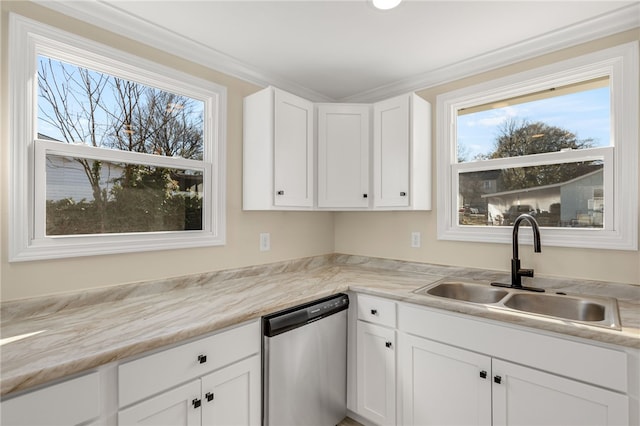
347 50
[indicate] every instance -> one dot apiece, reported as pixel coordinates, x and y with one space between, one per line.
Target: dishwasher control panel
297 316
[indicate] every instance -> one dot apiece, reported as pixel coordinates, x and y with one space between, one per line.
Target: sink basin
591 310
468 292
557 306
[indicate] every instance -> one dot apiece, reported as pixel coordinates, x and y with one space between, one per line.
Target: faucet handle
525 272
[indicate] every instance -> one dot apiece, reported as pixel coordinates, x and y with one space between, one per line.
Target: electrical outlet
415 239
265 241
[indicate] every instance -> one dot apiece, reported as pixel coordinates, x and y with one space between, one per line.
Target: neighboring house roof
47 138
538 188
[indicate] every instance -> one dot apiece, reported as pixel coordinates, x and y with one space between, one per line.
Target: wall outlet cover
265 241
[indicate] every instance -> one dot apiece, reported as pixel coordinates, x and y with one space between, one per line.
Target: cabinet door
525 396
231 396
293 151
178 406
443 385
72 402
376 375
391 152
343 156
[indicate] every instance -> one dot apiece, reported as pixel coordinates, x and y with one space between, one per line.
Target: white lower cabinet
231 396
376 359
211 381
376 375
528 396
474 374
72 402
173 407
444 385
228 397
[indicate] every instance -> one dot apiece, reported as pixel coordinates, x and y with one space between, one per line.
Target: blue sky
586 114
78 100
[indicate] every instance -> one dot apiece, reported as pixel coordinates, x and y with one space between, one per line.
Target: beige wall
388 234
293 235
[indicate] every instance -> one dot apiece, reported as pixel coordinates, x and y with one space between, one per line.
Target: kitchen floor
349 422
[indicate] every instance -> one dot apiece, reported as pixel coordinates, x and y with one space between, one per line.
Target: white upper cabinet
343 156
278 154
402 153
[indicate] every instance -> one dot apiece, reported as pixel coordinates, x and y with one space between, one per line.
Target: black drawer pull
403 194
374 312
202 359
280 192
209 396
483 374
196 403
497 379
388 344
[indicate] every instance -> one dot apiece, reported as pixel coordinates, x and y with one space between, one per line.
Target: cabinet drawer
71 402
377 311
154 373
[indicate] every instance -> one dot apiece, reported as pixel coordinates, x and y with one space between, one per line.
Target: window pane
558 195
78 105
87 196
569 117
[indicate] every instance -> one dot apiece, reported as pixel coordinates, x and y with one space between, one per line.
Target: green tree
519 138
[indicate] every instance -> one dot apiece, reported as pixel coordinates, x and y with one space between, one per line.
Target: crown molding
602 26
109 17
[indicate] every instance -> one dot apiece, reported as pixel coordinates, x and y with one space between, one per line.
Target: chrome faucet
516 271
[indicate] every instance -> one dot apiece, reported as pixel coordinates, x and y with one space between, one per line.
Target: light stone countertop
45 339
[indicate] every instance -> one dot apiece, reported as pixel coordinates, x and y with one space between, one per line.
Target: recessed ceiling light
385 4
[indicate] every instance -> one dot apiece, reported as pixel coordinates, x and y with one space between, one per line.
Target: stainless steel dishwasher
305 364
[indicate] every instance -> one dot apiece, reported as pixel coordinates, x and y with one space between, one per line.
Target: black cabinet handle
202 359
403 194
374 312
196 403
209 396
388 344
364 195
280 192
497 379
483 374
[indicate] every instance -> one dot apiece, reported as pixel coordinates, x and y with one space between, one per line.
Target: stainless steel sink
468 292
591 310
600 311
557 306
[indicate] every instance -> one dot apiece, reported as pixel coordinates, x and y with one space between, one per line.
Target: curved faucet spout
536 233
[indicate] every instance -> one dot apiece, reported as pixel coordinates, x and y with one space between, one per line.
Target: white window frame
620 64
27 186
